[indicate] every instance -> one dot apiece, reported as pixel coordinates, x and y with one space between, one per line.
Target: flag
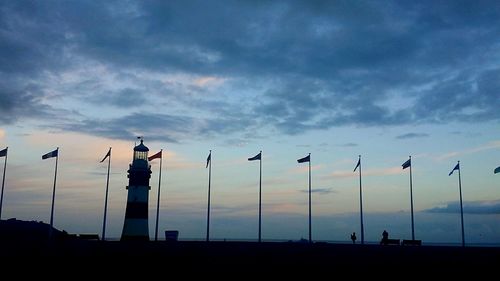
208 158
357 165
107 155
497 170
3 152
50 154
406 164
305 159
256 157
457 167
157 155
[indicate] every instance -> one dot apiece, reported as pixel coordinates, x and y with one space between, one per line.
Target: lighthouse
135 227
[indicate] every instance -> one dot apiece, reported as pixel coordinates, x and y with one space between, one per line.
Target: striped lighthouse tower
135 226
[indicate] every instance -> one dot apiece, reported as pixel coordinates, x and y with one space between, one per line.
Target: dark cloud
157 127
303 145
322 191
125 98
154 126
19 101
310 65
412 136
469 134
349 144
472 207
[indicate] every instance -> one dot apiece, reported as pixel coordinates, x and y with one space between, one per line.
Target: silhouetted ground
289 257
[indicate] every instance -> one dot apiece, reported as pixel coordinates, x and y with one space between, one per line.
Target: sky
337 79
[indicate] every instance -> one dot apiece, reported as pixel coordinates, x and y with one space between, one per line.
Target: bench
171 235
390 242
89 236
411 243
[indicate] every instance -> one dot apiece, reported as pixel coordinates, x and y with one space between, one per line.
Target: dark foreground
26 247
265 255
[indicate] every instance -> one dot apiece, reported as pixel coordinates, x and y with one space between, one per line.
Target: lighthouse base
135 230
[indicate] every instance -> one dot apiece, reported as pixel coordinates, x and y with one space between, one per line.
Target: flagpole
3 182
361 205
208 207
310 233
158 199
53 196
411 205
461 207
260 195
106 199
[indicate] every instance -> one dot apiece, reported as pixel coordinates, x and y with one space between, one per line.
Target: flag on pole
208 159
305 159
50 154
3 152
357 165
497 170
157 155
457 167
256 157
107 155
406 164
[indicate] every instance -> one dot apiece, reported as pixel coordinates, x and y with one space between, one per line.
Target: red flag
157 155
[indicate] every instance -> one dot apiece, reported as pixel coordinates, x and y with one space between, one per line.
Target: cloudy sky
336 79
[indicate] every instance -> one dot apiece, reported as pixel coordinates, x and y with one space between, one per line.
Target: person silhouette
353 237
385 237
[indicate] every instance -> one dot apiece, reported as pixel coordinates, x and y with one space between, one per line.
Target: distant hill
34 231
